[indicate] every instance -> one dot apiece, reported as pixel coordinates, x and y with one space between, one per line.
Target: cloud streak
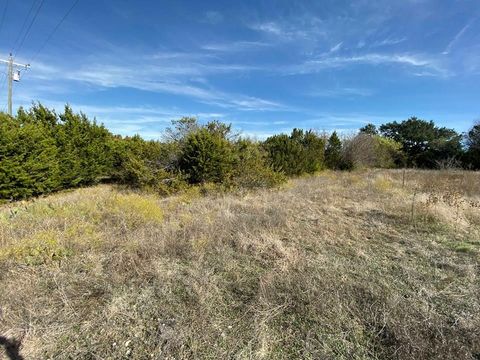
237 46
341 92
329 62
456 38
172 73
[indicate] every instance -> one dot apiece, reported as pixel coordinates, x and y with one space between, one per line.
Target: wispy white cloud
254 103
237 46
328 62
388 41
300 29
341 92
269 27
172 73
336 47
456 38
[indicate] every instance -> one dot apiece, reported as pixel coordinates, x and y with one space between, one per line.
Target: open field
338 265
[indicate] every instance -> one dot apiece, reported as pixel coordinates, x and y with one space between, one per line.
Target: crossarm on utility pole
15 64
11 64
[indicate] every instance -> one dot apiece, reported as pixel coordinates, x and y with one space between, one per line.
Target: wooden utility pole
11 77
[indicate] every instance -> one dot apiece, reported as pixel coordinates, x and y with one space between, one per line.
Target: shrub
28 159
44 247
207 156
359 151
365 150
333 152
423 142
388 153
144 164
284 154
301 152
84 154
251 167
369 129
472 156
314 150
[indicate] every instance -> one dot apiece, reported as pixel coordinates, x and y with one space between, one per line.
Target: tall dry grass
340 265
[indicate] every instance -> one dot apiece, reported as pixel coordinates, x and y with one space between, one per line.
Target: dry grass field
354 265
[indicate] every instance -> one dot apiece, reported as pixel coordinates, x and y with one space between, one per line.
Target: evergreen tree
251 166
85 157
423 142
285 154
207 156
301 152
314 147
28 159
333 152
472 157
369 129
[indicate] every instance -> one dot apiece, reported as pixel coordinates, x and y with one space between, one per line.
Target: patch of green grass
44 247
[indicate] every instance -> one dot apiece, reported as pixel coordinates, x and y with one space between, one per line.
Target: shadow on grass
11 348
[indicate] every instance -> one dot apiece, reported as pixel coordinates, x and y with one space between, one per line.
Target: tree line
42 152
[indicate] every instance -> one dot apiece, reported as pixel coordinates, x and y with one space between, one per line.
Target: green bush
42 151
84 154
365 150
28 159
207 156
143 164
472 155
301 152
251 167
388 153
425 144
333 153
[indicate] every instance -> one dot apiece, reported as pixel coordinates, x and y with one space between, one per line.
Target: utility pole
11 76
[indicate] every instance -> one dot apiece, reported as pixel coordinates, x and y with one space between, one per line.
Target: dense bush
29 162
472 156
207 156
136 162
301 152
85 158
388 153
251 167
368 150
42 151
424 144
333 153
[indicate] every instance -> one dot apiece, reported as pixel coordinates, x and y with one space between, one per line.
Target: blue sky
264 66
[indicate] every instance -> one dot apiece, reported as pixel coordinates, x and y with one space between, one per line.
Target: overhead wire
22 31
3 15
22 28
30 26
15 49
49 37
2 21
52 33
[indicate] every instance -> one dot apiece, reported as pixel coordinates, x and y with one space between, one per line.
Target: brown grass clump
339 265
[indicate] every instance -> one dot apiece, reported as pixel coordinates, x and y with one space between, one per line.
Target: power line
30 26
10 76
24 24
55 29
3 15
